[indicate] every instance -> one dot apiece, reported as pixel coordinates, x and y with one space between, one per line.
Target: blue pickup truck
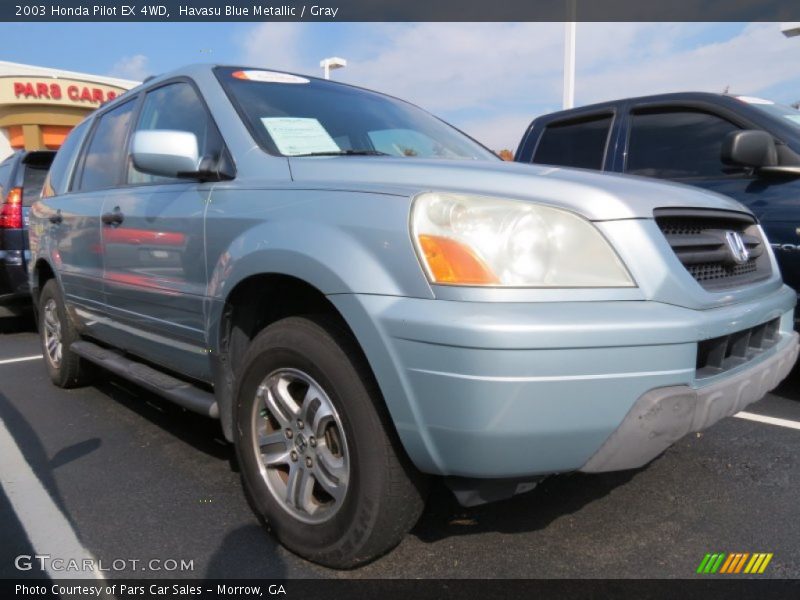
744 147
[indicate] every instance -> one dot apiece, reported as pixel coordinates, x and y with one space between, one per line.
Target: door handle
57 218
114 218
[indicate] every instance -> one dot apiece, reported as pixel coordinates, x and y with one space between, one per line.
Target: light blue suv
365 297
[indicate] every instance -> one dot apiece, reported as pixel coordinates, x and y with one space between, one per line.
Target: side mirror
755 149
165 152
749 148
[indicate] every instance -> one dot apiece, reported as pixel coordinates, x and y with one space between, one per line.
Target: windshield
295 116
785 113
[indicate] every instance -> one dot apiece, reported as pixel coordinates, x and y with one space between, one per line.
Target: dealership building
39 106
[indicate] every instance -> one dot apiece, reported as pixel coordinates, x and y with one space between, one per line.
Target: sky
488 79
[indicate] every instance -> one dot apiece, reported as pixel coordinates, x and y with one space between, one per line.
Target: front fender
338 242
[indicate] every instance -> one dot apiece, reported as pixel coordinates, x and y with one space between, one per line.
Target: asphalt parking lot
138 478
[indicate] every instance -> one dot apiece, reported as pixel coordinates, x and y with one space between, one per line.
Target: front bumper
521 389
662 416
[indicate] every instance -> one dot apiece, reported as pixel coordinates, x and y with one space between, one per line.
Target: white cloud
508 72
756 59
446 66
275 45
131 67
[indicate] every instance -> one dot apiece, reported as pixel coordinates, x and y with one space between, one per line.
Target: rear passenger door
153 241
74 221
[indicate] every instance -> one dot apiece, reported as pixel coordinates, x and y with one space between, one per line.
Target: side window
58 177
679 143
103 159
5 173
177 107
577 143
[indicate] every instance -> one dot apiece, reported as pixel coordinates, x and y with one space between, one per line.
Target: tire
364 493
66 369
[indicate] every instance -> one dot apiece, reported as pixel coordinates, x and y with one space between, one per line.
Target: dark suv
746 148
21 177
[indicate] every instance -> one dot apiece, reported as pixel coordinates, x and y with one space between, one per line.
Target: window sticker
296 135
268 77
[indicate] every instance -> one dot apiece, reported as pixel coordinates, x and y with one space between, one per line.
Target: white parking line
8 361
768 420
46 526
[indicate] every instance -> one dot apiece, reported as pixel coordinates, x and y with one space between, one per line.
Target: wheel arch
251 305
41 273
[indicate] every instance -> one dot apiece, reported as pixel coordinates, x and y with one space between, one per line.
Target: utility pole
570 28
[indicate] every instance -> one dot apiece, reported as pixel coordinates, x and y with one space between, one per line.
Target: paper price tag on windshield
294 135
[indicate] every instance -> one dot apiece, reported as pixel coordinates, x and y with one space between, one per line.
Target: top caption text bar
403 10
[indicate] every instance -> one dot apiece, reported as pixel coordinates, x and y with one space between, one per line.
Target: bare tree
506 154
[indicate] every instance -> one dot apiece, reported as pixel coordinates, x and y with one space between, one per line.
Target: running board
176 390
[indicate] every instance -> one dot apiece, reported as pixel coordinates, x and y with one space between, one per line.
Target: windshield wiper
346 153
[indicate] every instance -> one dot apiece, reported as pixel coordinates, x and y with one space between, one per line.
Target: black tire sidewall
316 354
62 375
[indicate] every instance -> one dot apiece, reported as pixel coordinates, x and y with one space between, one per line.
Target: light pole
569 57
329 64
790 29
569 65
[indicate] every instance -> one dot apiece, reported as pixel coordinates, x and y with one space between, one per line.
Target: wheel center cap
300 442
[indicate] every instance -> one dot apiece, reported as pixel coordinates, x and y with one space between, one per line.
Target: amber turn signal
450 261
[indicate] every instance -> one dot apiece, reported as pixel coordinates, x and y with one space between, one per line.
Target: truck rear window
32 183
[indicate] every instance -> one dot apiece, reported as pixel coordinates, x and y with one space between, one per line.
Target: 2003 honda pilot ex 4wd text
366 297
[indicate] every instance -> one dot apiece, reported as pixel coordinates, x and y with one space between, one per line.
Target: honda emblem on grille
736 248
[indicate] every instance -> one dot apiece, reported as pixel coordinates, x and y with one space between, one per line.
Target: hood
596 196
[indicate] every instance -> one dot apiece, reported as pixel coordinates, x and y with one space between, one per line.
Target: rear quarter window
577 143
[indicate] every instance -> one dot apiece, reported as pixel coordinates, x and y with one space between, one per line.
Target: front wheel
319 459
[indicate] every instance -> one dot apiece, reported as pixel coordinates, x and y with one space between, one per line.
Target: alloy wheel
301 445
52 333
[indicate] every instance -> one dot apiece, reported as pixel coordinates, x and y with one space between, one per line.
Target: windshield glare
311 117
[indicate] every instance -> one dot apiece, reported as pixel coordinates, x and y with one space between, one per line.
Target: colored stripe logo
734 563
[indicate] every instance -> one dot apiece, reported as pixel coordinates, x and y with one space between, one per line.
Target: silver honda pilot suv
365 298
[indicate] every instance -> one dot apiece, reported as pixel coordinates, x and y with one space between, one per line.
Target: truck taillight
11 210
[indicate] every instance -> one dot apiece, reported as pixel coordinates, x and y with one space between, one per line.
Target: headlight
479 241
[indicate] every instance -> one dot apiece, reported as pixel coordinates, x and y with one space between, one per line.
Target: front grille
699 239
728 351
712 271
